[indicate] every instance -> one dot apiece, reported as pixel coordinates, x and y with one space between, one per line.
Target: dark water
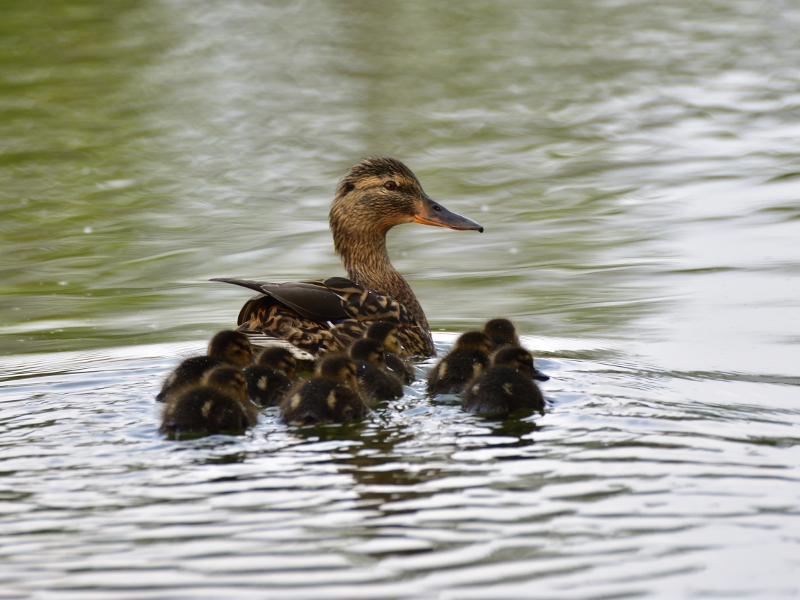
637 169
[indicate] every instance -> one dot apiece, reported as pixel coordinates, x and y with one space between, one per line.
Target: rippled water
636 168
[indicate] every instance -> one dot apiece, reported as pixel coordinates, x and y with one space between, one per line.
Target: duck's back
326 315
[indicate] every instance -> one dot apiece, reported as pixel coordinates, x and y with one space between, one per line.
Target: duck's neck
367 262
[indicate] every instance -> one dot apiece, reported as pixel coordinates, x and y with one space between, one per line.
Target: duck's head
339 367
474 340
385 333
231 346
501 332
379 193
280 359
229 380
369 351
519 359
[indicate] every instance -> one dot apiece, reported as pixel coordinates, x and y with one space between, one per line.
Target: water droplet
87 230
485 208
63 282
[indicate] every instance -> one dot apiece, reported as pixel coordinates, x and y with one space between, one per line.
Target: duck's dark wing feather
324 315
312 299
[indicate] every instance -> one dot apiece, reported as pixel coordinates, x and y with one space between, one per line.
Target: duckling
280 359
502 332
505 386
331 396
373 379
232 380
386 333
226 347
326 315
469 356
220 405
271 376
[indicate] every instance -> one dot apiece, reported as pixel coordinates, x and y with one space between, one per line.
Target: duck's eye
437 208
390 185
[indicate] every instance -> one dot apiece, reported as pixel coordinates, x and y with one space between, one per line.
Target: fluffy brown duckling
271 376
331 396
227 347
327 315
220 405
373 379
505 386
468 358
502 333
386 333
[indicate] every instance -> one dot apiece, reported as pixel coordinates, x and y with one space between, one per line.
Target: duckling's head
501 332
379 193
386 333
279 358
520 359
369 351
474 340
515 357
229 380
339 367
231 346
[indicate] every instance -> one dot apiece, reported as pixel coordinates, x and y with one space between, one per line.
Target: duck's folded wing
367 305
311 299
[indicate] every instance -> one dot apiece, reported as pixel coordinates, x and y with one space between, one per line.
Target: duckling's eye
390 185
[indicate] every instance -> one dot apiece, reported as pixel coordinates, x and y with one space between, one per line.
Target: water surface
636 169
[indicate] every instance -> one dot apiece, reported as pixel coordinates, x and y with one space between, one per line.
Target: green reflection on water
147 147
144 153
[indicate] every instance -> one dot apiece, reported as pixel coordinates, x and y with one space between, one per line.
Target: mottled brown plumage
327 315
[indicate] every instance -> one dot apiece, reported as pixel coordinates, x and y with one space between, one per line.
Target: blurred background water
636 166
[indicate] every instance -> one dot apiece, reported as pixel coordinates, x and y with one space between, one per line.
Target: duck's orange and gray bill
433 213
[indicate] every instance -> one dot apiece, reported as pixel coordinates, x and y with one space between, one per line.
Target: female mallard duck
331 396
505 386
469 356
327 315
271 376
386 334
226 347
373 379
220 405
